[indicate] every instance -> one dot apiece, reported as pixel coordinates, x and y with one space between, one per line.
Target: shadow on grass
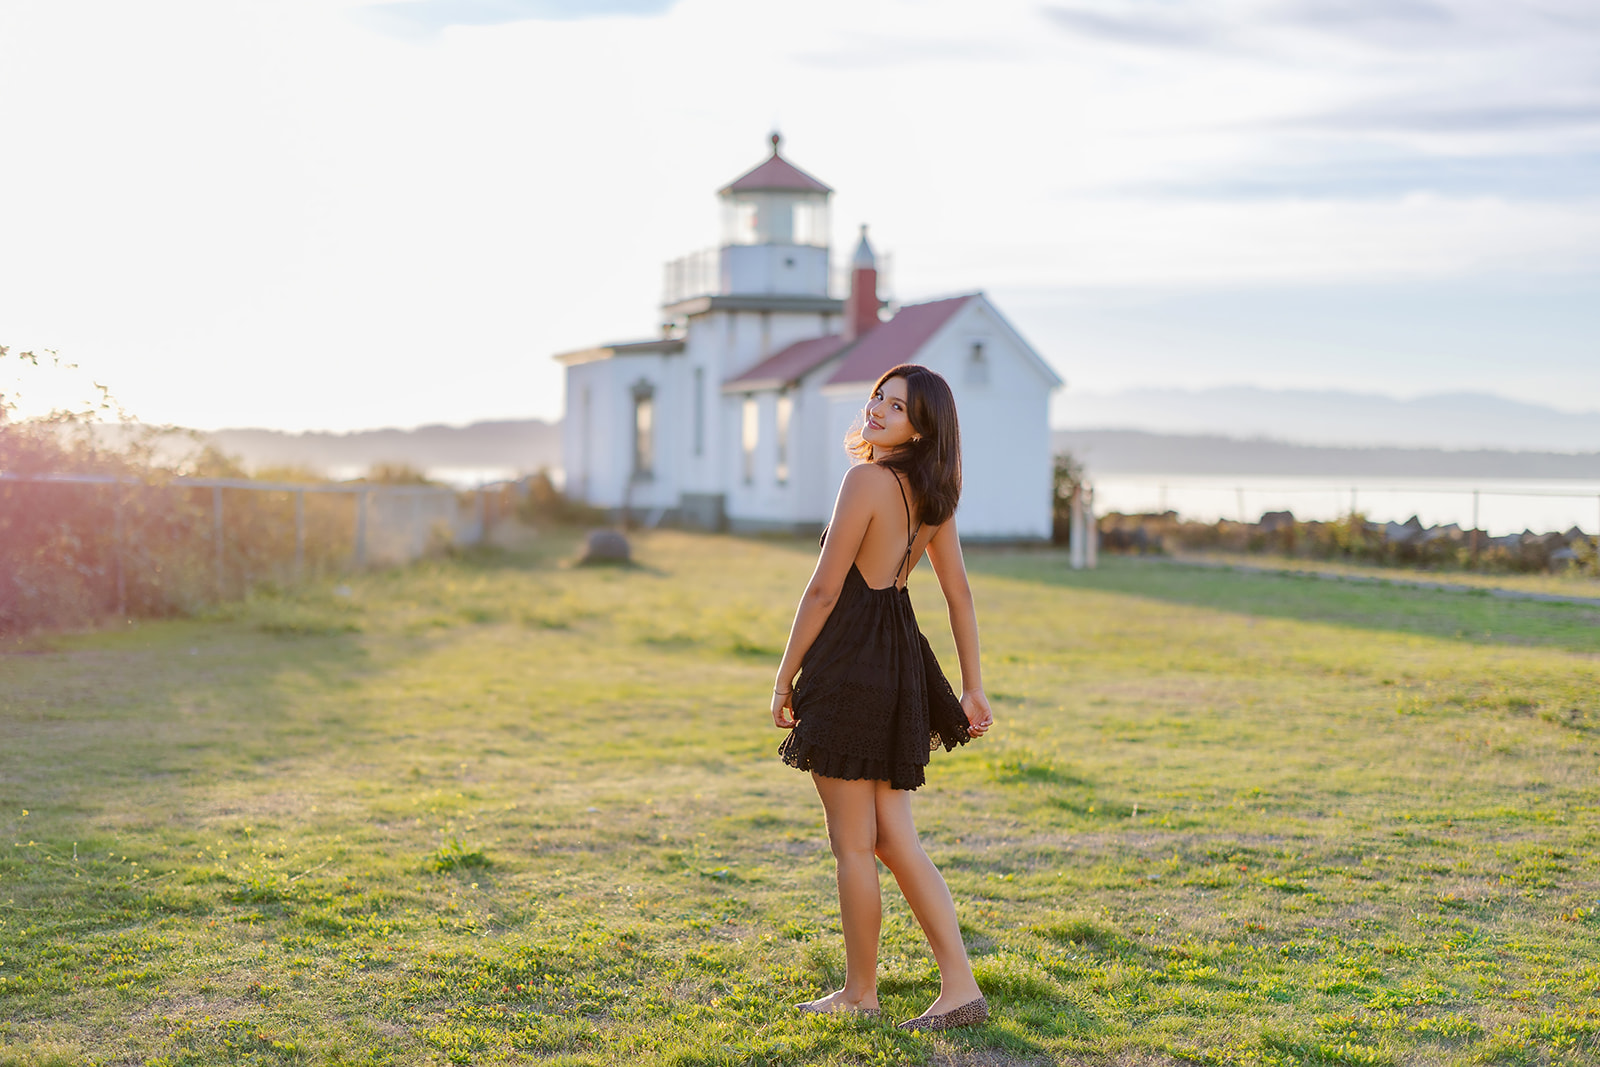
1474 617
556 548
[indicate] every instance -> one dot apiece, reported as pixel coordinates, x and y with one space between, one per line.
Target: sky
321 214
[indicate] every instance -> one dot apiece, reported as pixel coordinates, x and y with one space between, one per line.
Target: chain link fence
74 547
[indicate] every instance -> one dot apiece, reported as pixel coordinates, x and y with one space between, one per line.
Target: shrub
543 504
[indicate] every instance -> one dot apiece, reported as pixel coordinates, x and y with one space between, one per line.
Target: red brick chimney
861 306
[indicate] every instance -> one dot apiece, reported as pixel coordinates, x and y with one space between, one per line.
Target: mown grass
501 810
1573 585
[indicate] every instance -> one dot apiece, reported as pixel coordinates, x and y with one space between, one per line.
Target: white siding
605 452
1005 427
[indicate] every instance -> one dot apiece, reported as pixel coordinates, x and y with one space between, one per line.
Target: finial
776 139
865 258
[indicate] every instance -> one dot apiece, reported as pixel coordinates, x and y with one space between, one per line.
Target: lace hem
947 721
805 757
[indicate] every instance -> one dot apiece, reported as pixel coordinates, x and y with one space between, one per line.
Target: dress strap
911 535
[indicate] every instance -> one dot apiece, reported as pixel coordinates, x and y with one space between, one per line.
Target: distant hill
1139 452
524 445
1337 419
1246 448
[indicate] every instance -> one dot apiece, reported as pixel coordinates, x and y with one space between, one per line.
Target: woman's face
885 423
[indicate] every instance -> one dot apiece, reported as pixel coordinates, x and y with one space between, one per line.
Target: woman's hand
979 717
782 710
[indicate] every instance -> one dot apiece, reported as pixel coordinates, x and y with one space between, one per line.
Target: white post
1475 528
1091 543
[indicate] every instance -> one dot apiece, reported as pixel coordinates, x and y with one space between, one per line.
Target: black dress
871 701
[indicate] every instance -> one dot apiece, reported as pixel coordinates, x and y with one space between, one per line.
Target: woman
869 702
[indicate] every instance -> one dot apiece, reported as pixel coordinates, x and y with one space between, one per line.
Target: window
644 442
750 437
785 412
811 222
978 365
699 411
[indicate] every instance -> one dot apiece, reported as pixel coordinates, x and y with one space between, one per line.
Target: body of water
1503 506
459 477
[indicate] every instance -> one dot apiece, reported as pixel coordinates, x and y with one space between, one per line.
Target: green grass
502 810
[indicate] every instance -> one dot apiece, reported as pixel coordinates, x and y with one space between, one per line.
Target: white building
737 415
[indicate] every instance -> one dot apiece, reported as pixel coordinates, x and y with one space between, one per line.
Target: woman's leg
929 897
852 832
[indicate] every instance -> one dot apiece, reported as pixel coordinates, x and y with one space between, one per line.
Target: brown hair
933 464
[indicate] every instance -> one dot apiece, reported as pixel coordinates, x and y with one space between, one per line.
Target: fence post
216 535
361 529
116 552
299 534
1474 529
419 536
483 517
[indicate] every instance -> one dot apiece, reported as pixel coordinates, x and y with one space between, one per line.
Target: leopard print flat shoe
972 1013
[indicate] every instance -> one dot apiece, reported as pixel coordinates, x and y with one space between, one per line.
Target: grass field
501 810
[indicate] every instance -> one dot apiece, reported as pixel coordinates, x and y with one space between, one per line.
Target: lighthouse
733 416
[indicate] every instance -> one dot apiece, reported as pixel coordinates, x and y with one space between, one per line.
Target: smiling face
885 422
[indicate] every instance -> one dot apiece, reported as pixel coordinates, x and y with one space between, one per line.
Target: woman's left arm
944 553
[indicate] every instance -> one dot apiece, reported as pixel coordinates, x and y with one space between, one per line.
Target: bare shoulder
867 479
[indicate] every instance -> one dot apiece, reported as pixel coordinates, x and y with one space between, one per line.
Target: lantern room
776 203
775 229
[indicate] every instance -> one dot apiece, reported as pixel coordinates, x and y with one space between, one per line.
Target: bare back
895 538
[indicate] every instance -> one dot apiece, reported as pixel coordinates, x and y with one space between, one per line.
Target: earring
916 437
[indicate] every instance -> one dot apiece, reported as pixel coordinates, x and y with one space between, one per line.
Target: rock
606 546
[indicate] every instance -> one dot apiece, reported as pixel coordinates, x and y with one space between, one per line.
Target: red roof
791 364
896 341
776 173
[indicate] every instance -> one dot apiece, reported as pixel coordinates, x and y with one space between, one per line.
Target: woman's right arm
852 513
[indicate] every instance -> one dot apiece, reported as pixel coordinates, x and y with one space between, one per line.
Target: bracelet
781 692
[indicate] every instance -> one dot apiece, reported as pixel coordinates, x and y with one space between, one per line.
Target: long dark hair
933 464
